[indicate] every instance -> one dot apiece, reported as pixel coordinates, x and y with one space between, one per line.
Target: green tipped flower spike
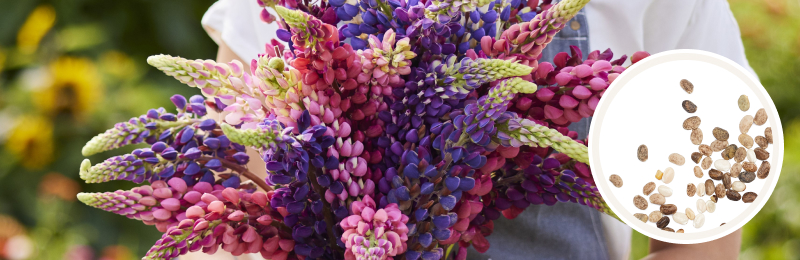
470 74
520 131
250 137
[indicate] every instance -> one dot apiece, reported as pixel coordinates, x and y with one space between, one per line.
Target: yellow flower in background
73 89
35 27
31 141
119 65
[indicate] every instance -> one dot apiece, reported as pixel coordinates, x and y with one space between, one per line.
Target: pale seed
655 216
665 190
747 177
711 206
677 159
718 145
657 199
749 197
706 163
763 170
701 189
690 189
641 153
696 157
762 142
722 165
696 136
720 134
663 222
749 166
616 180
760 118
733 195
701 206
640 202
689 213
744 103
680 218
761 153
768 134
741 154
649 188
746 141
738 186
715 174
751 155
729 152
735 170
705 150
709 187
689 107
687 86
698 172
745 124
719 191
669 174
641 217
699 220
691 123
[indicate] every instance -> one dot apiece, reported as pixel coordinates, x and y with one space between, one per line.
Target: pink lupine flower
371 233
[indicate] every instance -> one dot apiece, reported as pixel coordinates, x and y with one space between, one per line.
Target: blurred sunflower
119 65
74 88
31 140
35 27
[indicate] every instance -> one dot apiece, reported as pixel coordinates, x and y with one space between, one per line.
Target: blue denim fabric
563 231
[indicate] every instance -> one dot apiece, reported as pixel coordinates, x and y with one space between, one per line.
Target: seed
714 199
616 180
744 103
701 206
715 174
735 170
722 224
706 163
709 187
640 202
749 166
690 189
751 155
726 180
760 118
699 220
738 186
761 153
668 229
655 216
649 188
733 195
719 191
718 145
689 106
679 231
705 150
720 134
746 141
691 123
729 152
696 157
768 134
698 172
689 213
669 209
657 199
659 175
696 136
762 141
677 159
763 170
701 189
747 177
722 165
641 217
663 222
749 197
741 154
711 206
680 218
641 153
745 124
687 86
664 190
669 174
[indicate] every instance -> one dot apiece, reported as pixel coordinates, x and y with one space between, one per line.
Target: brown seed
641 153
696 136
733 195
719 191
744 103
657 199
746 141
740 155
640 202
668 209
722 224
730 152
761 154
735 170
714 199
690 189
687 86
763 170
718 145
655 216
709 187
691 123
698 172
745 124
641 217
696 157
689 106
747 177
768 134
715 174
749 166
679 231
720 134
749 197
616 180
761 117
677 159
668 229
706 163
726 180
705 149
663 222
649 188
762 141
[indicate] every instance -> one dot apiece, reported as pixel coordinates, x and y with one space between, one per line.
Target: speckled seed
699 220
679 231
669 209
722 165
706 163
747 177
711 206
738 186
687 86
701 206
709 187
691 123
720 134
718 145
663 222
696 136
726 180
680 218
696 157
705 149
690 189
640 202
665 190
729 152
751 155
762 142
745 124
735 170
689 213
641 153
744 103
761 153
715 174
741 154
689 107
749 197
719 191
701 190
677 159
659 175
641 217
698 172
760 118
733 195
763 170
768 134
749 166
746 141
669 174
616 180
657 199
655 216
649 188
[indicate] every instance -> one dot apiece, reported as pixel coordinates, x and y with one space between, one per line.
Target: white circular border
743 75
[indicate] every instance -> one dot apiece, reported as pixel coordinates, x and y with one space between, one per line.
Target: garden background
70 69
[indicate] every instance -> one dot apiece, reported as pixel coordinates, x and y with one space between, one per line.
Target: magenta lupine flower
371 233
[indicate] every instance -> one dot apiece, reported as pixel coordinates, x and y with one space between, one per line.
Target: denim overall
565 230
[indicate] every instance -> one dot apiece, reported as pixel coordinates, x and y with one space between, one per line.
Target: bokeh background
70 69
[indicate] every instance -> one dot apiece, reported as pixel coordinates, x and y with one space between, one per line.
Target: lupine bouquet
397 129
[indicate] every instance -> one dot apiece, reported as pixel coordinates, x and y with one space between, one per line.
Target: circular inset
645 106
